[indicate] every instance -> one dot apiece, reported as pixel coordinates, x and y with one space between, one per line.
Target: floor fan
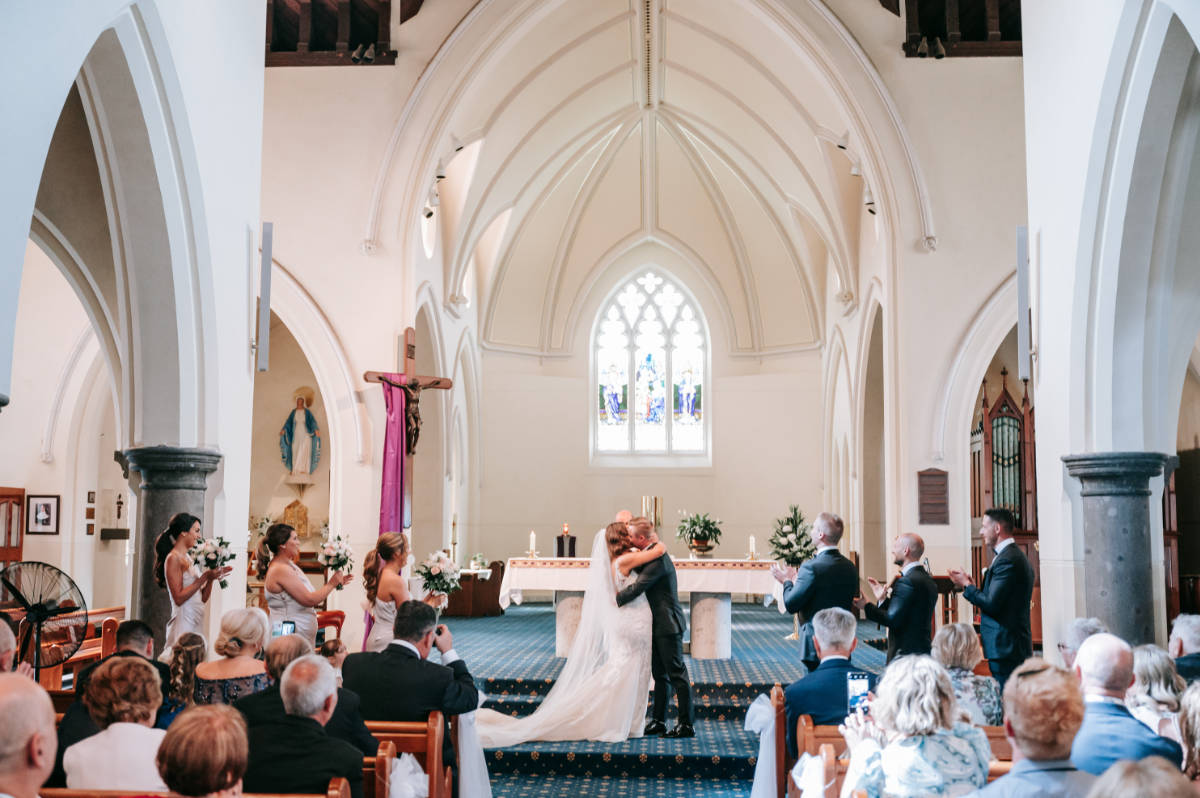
51 612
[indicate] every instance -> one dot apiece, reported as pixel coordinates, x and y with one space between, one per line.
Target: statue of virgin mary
300 438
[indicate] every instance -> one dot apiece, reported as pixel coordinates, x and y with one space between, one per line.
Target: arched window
650 356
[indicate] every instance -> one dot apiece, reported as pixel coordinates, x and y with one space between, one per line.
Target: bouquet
791 540
211 554
336 555
698 527
439 573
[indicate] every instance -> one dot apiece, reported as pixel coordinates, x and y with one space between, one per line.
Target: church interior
676 257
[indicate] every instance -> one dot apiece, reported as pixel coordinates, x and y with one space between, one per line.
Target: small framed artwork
41 515
91 529
91 497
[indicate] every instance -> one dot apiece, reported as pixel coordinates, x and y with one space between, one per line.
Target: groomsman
827 580
1004 599
908 611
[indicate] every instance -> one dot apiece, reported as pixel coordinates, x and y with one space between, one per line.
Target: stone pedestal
568 608
1118 577
711 623
169 480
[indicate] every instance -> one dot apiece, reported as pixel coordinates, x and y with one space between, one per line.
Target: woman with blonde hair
290 596
912 743
1189 731
956 648
180 692
386 588
205 753
1153 698
239 672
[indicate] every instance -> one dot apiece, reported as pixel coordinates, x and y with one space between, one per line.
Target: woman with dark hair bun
290 597
188 587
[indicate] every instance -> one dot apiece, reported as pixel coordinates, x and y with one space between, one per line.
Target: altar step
607 786
719 695
705 709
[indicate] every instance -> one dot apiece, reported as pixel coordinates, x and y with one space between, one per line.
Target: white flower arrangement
211 554
439 573
336 555
791 541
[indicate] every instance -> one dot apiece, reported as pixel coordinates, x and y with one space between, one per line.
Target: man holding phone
831 691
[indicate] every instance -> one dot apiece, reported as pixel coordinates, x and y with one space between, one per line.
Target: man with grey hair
294 754
1184 646
823 694
827 580
27 737
1104 666
1078 630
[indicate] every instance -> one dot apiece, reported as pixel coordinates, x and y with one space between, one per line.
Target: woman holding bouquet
386 587
188 587
290 596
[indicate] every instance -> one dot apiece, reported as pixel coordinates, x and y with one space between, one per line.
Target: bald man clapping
908 611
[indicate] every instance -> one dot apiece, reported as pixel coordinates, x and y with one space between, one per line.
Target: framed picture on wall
41 515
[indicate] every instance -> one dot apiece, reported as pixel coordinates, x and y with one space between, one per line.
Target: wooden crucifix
411 384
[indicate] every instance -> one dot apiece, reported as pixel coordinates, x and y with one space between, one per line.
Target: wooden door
12 525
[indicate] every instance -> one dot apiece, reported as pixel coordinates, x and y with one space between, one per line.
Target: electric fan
49 609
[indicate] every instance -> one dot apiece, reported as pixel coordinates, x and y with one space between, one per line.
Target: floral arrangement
479 562
211 554
259 525
439 573
791 541
698 527
336 555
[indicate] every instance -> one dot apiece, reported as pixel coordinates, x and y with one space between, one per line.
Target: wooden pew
377 771
783 762
422 740
810 738
334 618
338 788
108 637
1001 748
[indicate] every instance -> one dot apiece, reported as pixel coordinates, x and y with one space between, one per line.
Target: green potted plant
699 532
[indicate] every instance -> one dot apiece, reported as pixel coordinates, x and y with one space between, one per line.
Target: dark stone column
170 480
1118 579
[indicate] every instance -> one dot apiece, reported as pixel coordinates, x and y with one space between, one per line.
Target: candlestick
532 541
752 549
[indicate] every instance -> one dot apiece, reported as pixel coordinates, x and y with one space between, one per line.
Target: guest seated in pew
8 651
400 684
823 694
1152 776
1043 710
1078 630
1184 646
27 738
1104 666
184 657
335 651
1189 732
266 707
204 753
238 673
1157 687
956 648
123 695
911 743
294 754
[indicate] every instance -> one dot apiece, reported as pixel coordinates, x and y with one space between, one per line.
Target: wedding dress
602 691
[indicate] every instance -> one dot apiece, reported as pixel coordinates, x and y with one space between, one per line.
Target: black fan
51 612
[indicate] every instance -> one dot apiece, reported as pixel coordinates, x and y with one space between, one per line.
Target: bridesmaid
290 596
386 588
174 570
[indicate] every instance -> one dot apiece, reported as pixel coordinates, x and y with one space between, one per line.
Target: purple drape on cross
391 494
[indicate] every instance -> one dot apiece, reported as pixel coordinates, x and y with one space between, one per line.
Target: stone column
170 479
1118 577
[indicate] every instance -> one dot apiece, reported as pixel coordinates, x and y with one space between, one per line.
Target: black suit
657 580
908 613
822 694
1188 667
395 684
1004 601
346 724
295 755
827 580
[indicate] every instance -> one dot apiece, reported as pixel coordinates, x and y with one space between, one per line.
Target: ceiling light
440 172
844 141
868 200
427 212
434 199
855 169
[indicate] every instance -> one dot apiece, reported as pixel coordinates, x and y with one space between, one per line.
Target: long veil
564 713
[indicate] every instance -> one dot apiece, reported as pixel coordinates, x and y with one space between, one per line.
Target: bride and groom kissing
630 628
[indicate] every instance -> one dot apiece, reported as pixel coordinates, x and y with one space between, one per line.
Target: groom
657 580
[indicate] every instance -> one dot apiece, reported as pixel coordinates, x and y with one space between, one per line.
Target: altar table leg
711 625
568 606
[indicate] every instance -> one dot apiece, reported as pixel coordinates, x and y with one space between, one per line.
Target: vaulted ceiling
706 126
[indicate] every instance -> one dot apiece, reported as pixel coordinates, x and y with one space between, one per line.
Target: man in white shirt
27 737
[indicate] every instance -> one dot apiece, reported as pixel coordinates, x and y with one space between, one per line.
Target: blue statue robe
286 437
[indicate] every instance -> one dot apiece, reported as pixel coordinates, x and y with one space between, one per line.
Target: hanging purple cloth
391 494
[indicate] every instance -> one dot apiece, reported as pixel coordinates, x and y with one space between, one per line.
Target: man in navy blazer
1104 666
1005 597
827 580
908 611
823 692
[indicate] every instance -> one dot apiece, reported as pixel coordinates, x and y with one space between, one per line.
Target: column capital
169 467
1115 473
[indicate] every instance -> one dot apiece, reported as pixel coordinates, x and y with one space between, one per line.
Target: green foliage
699 526
791 540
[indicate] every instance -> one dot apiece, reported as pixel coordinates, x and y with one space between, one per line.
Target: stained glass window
650 370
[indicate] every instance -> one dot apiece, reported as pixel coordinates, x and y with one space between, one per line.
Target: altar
709 583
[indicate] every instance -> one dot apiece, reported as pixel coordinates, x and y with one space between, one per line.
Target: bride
602 690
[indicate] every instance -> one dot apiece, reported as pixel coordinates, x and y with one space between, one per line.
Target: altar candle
532 541
752 549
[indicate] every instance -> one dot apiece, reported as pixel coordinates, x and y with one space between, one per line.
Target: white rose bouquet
211 554
336 555
440 574
791 540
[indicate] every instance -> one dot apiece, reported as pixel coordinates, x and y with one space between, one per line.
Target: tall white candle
752 549
532 541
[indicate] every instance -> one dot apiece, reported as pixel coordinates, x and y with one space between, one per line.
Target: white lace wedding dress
602 691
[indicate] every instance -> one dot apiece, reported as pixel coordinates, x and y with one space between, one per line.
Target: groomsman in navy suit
827 580
908 611
1004 599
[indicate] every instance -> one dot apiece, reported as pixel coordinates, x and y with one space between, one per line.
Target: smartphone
858 685
283 628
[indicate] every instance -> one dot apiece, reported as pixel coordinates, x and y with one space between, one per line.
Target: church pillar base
170 480
1118 575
